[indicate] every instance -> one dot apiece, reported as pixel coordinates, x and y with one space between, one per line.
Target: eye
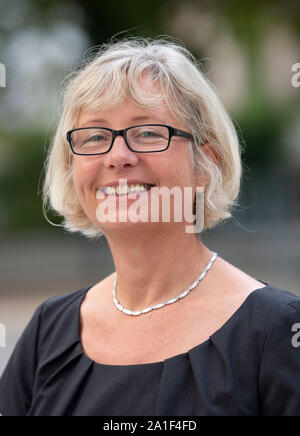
148 134
95 138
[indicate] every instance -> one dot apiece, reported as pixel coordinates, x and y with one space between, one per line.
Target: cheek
83 172
84 179
183 165
84 176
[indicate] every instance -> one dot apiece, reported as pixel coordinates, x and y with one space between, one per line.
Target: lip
129 195
127 182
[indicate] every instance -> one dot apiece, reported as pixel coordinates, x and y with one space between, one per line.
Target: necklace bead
172 300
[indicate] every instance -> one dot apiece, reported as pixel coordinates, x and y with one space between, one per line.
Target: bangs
143 83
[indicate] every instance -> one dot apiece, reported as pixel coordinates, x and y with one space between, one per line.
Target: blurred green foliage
19 183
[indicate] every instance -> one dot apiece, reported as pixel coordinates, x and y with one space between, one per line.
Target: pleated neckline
227 323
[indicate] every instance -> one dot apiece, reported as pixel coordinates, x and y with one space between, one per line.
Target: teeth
123 190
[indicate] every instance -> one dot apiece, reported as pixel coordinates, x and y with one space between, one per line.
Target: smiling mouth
126 189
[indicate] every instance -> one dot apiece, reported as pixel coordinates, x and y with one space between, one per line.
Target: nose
120 156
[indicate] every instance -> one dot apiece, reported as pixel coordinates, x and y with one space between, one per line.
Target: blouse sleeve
17 381
279 380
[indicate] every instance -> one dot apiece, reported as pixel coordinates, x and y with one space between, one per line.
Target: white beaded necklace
172 300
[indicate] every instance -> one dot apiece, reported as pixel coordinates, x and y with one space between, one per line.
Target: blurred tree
106 19
20 203
261 123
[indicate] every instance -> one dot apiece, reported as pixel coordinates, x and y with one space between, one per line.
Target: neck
153 267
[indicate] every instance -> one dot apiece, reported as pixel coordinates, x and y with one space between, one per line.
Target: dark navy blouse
250 366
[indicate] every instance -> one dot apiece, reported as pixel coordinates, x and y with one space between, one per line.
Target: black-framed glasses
144 138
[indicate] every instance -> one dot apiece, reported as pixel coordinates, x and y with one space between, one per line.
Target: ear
211 152
70 158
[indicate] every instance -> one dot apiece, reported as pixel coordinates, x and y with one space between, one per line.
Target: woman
175 330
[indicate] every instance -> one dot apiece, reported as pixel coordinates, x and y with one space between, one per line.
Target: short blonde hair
112 74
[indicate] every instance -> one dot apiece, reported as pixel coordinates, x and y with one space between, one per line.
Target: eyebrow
101 121
98 120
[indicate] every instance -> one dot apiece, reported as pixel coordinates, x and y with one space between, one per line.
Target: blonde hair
112 74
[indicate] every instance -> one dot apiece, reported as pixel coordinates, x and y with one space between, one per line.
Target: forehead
144 101
128 113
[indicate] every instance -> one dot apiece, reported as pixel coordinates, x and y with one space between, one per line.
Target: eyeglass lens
140 138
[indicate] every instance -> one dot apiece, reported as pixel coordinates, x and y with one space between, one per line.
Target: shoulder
262 301
49 331
63 301
272 302
280 359
58 325
56 312
280 313
264 311
268 307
